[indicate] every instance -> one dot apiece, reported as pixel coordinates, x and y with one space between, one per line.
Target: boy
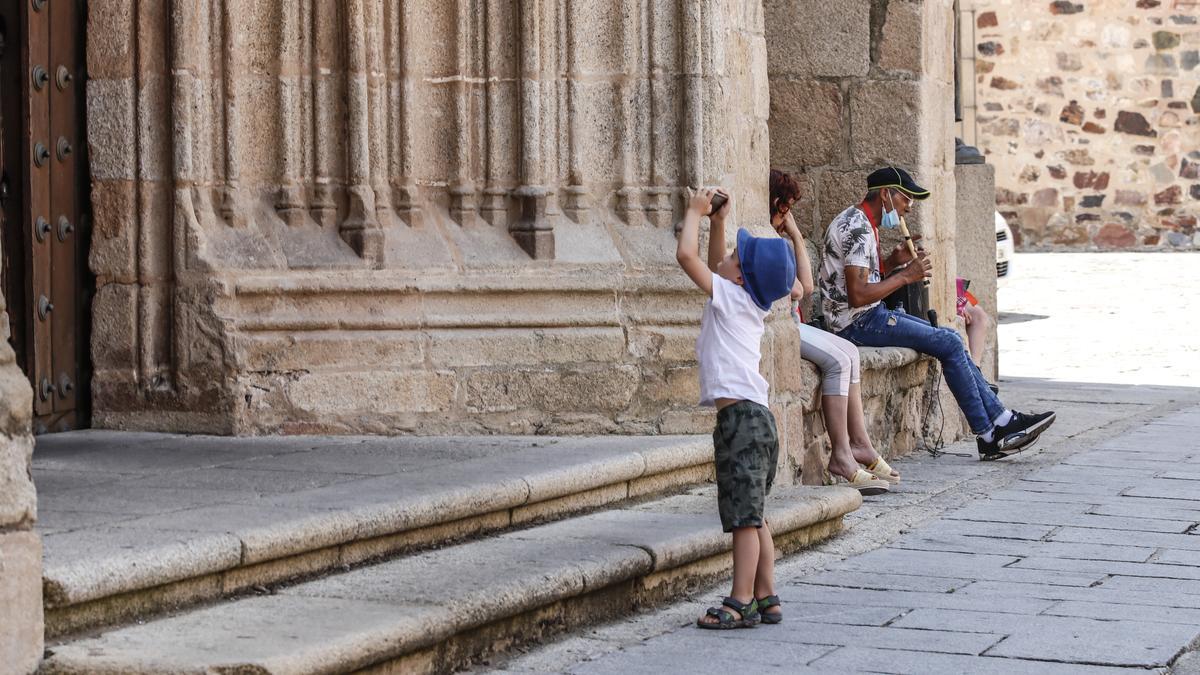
741 287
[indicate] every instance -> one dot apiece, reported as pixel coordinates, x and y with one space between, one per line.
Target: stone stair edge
210 553
401 628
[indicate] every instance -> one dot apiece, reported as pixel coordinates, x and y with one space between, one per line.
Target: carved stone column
360 229
404 186
324 111
289 200
532 230
462 188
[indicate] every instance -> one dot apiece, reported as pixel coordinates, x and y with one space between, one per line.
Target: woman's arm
803 264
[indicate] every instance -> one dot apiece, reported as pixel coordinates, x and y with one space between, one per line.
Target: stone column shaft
462 188
361 228
532 230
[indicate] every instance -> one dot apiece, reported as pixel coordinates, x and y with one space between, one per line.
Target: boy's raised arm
716 234
687 252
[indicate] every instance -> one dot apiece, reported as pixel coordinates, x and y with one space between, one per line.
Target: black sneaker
1020 432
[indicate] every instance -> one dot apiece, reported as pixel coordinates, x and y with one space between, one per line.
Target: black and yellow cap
892 177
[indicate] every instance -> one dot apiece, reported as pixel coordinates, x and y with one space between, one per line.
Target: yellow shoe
868 485
881 470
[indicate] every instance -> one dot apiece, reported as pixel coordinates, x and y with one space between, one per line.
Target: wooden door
43 202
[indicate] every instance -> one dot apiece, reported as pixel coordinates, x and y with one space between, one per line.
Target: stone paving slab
1060 570
890 637
865 659
685 654
1025 548
1187 542
909 600
1109 592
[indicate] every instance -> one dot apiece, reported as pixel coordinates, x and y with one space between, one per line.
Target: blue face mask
891 219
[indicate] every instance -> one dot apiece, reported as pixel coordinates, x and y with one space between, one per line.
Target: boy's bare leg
745 566
764 577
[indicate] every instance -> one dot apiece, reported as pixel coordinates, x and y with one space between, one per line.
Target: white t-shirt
849 240
730 346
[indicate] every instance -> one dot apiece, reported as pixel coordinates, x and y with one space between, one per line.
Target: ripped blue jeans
882 327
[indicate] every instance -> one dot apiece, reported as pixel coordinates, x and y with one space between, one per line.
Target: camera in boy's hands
719 200
715 198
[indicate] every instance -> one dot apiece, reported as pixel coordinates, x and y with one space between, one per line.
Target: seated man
852 287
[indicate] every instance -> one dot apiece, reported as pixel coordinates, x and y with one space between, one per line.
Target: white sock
988 435
1003 418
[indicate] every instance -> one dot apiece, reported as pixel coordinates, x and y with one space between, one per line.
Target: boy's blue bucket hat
768 267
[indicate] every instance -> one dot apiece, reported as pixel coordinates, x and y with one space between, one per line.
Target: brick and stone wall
1090 112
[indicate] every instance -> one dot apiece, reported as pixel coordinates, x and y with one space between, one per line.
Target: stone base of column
324 208
659 210
533 231
575 203
231 213
463 204
361 228
406 206
493 207
629 206
289 204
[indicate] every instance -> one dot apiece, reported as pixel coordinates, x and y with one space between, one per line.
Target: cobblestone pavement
1077 557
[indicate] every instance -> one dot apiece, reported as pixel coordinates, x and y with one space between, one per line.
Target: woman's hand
789 228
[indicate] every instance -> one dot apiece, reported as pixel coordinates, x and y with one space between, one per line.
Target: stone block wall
860 84
856 85
1090 112
21 624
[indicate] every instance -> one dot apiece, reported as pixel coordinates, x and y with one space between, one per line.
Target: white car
1004 248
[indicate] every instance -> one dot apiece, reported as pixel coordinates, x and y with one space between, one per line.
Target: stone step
440 610
136 524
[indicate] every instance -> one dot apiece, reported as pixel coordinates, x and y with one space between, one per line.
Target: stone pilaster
975 247
21 623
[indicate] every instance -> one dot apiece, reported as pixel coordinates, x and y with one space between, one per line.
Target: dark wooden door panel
38 165
63 208
43 199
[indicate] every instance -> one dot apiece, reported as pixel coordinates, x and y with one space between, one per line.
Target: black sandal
767 603
725 619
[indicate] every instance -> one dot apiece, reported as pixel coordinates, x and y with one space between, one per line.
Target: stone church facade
420 217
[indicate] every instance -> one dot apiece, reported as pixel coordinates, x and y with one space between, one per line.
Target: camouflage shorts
746 450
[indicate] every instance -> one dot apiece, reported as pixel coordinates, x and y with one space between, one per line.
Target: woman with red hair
836 358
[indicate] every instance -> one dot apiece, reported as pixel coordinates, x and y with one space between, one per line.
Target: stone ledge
870 358
441 609
284 538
